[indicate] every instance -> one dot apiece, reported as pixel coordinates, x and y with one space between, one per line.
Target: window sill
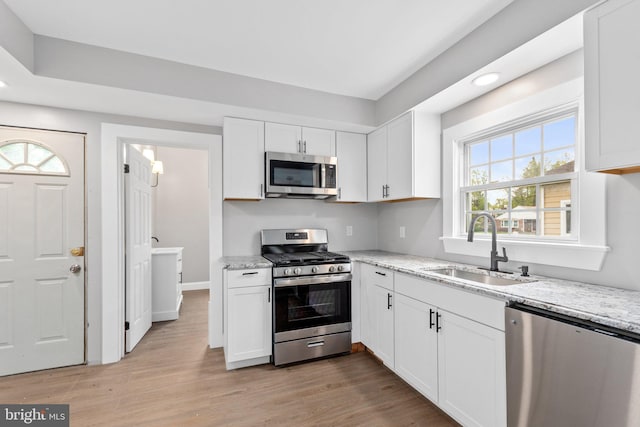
571 255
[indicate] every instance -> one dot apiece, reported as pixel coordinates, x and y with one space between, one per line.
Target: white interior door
137 247
41 250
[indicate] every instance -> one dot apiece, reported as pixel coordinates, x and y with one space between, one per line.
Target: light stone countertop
245 262
617 308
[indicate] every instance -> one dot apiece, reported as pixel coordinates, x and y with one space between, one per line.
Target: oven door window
294 174
307 306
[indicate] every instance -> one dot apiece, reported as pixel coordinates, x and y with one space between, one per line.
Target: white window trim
586 253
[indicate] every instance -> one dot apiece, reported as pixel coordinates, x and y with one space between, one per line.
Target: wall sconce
157 169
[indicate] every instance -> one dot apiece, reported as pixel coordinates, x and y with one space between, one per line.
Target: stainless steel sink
475 277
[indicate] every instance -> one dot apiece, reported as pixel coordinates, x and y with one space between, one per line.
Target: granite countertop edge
613 307
245 262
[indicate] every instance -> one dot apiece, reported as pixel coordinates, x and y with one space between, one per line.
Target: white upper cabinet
282 138
296 139
612 67
318 142
351 150
376 164
243 159
404 159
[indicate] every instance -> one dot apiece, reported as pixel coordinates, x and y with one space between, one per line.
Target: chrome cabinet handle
389 305
269 296
261 190
299 146
381 274
75 268
431 323
305 147
438 326
340 193
383 195
249 273
315 344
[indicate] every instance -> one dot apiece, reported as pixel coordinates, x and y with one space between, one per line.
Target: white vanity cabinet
450 346
351 150
377 327
283 138
612 66
247 317
403 159
166 283
243 159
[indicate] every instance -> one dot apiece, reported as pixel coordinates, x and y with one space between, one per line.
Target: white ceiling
361 48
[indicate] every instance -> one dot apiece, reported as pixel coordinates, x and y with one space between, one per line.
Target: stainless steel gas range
312 295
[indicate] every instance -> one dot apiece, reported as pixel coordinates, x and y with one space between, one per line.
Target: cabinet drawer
252 277
479 308
378 276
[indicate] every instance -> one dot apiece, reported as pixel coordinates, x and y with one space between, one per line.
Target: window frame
589 252
510 128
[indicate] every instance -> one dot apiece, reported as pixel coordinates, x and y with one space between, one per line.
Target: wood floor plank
172 379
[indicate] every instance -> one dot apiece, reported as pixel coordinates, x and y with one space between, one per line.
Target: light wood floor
173 379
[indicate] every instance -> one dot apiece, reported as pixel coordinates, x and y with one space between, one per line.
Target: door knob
75 268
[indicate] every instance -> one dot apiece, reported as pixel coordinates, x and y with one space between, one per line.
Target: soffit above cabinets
356 48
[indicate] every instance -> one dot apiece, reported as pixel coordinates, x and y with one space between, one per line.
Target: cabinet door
243 157
471 372
376 164
611 86
248 326
282 138
351 149
383 300
319 142
400 158
416 356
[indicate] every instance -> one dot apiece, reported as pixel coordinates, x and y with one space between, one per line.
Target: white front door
137 247
42 271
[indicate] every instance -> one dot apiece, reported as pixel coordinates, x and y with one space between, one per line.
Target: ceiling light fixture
485 79
2 84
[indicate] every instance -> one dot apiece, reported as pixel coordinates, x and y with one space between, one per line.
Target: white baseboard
194 286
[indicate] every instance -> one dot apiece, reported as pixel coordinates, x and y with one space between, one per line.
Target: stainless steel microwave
300 175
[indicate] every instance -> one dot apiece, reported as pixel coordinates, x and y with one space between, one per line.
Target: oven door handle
311 280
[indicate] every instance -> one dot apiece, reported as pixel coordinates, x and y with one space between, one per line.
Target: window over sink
524 164
524 175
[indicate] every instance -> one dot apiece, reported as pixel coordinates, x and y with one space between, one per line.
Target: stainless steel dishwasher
562 372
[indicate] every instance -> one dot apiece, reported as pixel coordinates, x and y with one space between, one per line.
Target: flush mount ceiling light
485 79
2 84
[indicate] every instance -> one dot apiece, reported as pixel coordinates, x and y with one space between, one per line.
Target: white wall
423 219
181 209
13 114
244 220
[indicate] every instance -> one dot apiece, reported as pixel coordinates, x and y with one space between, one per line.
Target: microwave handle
323 176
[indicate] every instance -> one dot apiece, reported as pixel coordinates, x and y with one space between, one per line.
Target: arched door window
30 157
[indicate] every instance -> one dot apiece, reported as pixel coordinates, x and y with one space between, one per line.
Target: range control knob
332 269
287 271
297 270
340 267
314 269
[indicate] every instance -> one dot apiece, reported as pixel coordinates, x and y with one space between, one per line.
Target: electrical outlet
403 231
349 230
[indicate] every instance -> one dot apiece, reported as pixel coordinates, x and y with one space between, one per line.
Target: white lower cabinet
377 328
448 344
247 326
471 371
416 358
